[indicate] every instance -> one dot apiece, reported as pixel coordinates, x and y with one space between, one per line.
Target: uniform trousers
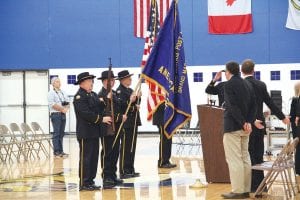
88 161
296 133
127 150
110 155
238 160
256 151
165 147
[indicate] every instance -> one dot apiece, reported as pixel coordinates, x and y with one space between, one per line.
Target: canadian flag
229 16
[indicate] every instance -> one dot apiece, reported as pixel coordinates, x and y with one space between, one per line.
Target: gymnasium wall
45 34
197 89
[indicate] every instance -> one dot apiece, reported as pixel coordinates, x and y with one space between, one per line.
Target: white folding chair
5 144
27 143
10 146
282 165
36 139
40 133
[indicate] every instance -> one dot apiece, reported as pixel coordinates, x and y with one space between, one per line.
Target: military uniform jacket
117 114
89 114
123 95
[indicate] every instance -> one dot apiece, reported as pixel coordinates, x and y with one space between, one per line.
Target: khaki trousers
238 160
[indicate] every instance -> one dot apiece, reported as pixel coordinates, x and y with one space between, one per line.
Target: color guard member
165 144
89 115
130 127
110 153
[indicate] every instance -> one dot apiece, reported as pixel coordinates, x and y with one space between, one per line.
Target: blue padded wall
42 34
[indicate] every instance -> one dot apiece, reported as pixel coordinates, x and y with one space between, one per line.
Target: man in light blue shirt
58 107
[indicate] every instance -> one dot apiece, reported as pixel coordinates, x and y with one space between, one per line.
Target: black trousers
88 160
165 147
127 150
256 151
296 133
110 155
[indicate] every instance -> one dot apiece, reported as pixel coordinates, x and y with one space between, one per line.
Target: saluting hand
217 76
107 120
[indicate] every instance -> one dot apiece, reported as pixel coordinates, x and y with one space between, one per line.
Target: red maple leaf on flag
230 2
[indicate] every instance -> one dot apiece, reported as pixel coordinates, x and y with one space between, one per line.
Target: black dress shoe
232 195
135 174
87 188
125 176
118 181
108 183
167 165
96 187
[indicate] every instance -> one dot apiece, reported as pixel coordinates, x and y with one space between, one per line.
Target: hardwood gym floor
57 178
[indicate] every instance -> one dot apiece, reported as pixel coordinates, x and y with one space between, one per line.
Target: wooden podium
211 131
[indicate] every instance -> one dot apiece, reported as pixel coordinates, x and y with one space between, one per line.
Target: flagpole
135 121
122 123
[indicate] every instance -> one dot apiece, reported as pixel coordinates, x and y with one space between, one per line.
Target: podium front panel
211 130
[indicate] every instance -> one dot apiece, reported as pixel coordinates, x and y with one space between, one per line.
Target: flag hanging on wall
166 68
293 19
155 96
229 16
142 12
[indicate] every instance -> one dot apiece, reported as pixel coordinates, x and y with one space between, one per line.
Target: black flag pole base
198 185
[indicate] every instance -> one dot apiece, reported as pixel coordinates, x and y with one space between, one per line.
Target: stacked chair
282 166
23 142
37 139
188 135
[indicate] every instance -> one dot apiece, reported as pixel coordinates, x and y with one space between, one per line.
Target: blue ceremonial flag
166 67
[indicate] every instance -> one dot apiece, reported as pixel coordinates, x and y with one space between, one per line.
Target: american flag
142 14
155 96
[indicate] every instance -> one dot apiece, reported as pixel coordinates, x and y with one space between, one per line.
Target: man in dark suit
238 115
216 89
89 115
295 123
256 141
110 153
129 130
165 144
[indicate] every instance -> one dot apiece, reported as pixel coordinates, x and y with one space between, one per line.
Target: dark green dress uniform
129 136
110 154
165 144
88 110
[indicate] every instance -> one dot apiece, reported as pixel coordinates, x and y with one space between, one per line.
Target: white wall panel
11 97
197 89
36 98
